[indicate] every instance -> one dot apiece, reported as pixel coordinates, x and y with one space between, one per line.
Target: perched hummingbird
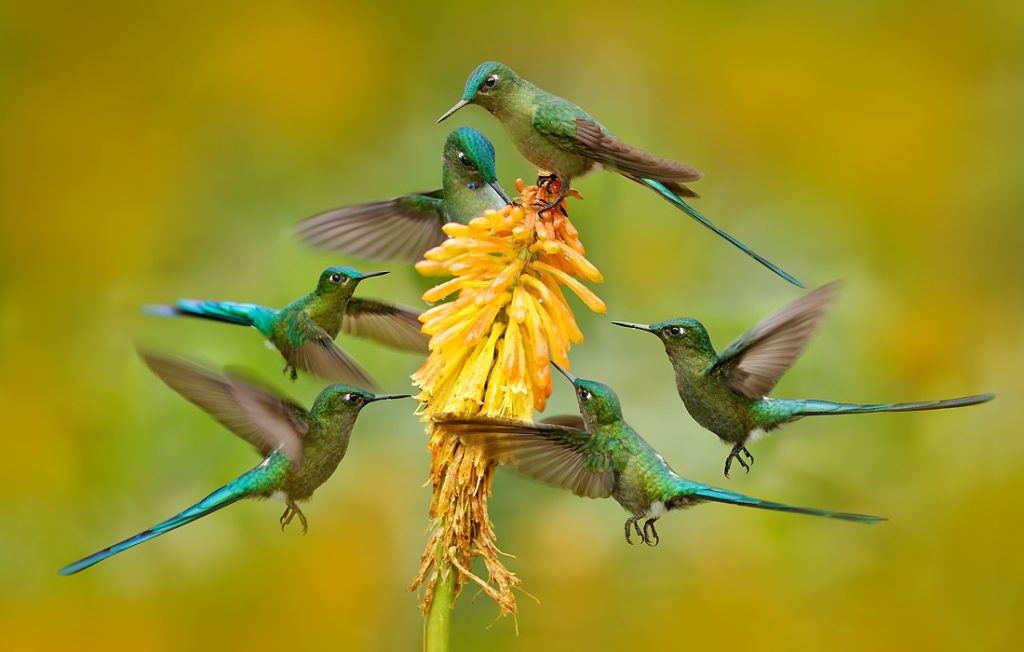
301 448
725 392
404 227
561 138
304 330
600 455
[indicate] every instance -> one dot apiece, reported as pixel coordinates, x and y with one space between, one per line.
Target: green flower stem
439 619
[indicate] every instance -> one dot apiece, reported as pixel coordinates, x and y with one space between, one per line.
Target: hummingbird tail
733 498
217 500
225 311
666 193
811 408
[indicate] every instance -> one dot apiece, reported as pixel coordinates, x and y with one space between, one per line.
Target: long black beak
372 274
458 105
387 397
501 192
639 327
572 379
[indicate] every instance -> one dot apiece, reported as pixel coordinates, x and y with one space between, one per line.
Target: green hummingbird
404 227
301 449
304 330
561 138
726 392
600 455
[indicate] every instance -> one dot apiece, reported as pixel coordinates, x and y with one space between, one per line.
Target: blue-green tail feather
244 314
812 408
733 498
677 201
219 499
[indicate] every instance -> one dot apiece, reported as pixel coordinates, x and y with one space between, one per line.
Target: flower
489 356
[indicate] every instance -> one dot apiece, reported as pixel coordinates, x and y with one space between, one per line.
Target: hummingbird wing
570 420
395 326
756 360
254 413
395 229
560 455
577 132
312 349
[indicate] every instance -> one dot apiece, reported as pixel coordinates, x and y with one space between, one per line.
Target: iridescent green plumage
726 392
600 456
304 330
405 227
560 137
301 448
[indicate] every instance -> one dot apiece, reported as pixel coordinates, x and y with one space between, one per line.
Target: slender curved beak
572 379
372 274
639 327
501 192
458 105
388 397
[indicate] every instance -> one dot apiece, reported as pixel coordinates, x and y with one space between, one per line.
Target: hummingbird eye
586 395
352 397
335 278
675 330
464 159
491 81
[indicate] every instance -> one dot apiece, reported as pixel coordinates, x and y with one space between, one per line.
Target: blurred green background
150 151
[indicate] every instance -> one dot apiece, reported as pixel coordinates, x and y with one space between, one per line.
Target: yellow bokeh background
150 151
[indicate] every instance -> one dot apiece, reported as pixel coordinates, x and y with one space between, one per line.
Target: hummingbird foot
291 511
734 454
544 180
653 536
291 372
632 522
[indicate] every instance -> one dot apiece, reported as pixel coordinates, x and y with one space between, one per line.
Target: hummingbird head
487 86
683 338
598 403
340 279
342 400
469 159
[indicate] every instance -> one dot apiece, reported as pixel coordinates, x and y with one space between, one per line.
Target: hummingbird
301 449
563 139
404 227
726 392
304 330
599 455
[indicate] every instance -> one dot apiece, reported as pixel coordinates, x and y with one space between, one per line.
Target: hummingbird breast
718 409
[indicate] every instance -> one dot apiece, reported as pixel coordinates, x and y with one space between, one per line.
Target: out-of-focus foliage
156 150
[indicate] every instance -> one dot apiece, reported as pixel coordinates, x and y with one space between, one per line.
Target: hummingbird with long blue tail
563 139
726 392
404 227
598 455
301 448
304 330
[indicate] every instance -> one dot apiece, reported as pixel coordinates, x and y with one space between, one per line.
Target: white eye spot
676 330
491 81
464 159
586 395
335 278
352 397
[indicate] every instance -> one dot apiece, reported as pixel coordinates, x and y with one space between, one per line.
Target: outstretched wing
312 349
254 413
559 455
396 229
756 360
395 326
579 133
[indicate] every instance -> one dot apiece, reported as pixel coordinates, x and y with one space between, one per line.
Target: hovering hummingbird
560 137
726 392
600 455
304 330
301 448
404 227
